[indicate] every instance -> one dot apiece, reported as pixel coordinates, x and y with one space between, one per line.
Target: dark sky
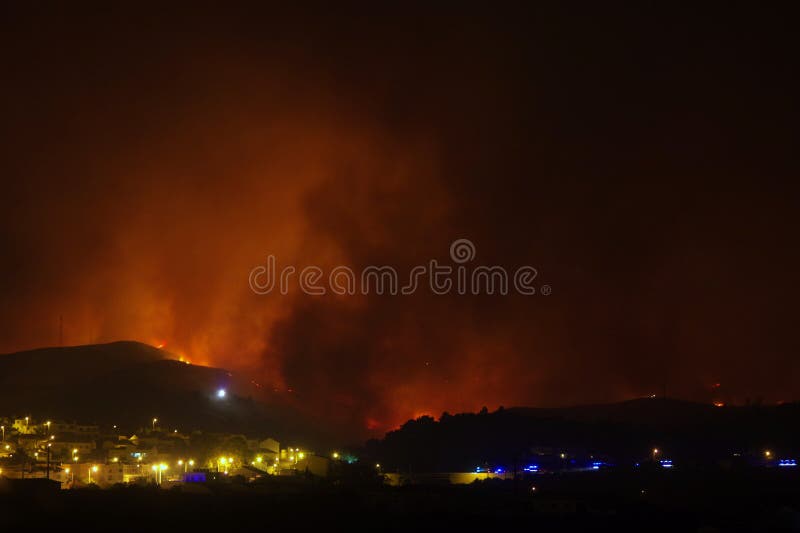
643 159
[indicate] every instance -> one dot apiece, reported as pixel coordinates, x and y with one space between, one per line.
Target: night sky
644 159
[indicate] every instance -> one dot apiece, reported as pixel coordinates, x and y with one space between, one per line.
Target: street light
158 469
92 469
154 423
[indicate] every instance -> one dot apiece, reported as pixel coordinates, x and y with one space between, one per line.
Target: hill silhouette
128 384
622 432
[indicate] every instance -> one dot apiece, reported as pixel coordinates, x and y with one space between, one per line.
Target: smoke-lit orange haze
149 163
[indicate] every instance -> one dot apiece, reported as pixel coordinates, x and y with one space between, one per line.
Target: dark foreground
755 500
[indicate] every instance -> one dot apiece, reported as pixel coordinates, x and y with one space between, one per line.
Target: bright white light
221 393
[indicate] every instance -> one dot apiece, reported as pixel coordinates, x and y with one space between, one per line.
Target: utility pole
48 461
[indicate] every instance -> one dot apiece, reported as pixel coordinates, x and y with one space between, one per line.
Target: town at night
399 266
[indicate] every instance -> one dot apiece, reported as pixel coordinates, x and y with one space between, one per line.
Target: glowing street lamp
159 469
221 393
92 469
154 423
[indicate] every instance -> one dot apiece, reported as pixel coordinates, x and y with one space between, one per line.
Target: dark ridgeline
622 433
128 383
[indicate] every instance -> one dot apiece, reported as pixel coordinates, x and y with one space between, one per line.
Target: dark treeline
623 433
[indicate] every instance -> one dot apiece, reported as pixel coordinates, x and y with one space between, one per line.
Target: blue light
787 462
499 471
666 463
221 393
